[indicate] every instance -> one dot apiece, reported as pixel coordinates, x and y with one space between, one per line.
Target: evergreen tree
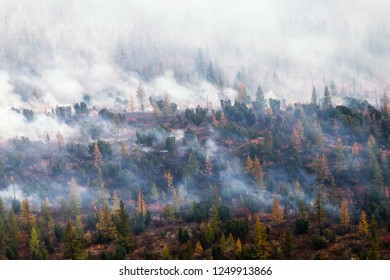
238 248
209 233
208 167
262 247
327 103
73 248
260 103
297 136
169 178
74 198
340 156
141 96
248 165
319 213
154 192
166 255
363 224
215 220
258 173
37 252
123 237
105 228
2 230
12 236
288 243
314 96
344 213
198 250
277 214
373 253
25 216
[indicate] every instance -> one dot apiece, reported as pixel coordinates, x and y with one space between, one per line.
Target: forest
194 130
254 179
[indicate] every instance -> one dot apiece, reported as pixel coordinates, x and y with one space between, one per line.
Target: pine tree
142 207
60 140
223 121
363 224
261 241
74 198
230 242
373 253
36 250
198 250
314 96
73 248
260 103
222 242
340 156
288 243
141 96
25 216
209 233
327 103
238 247
124 150
215 220
297 136
12 235
208 167
115 203
385 107
169 178
154 192
46 219
167 105
123 237
378 180
105 228
97 156
132 104
321 169
248 165
64 209
319 213
258 173
277 214
192 164
344 213
166 255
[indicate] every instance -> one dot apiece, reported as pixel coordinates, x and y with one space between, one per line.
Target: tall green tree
73 247
123 237
12 236
373 253
262 247
327 103
319 213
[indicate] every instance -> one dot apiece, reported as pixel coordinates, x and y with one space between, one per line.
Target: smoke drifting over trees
244 127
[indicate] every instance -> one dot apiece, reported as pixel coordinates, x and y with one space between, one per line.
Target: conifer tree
12 235
327 103
154 192
25 216
198 249
223 121
142 207
363 224
248 165
104 226
167 105
298 136
238 247
373 253
277 214
230 242
123 237
260 103
2 230
141 96
258 173
169 178
209 233
262 247
97 156
37 252
74 198
288 243
344 213
314 96
132 104
215 220
208 167
319 213
166 255
340 156
73 248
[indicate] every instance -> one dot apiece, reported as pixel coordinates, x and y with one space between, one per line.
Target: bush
319 242
301 226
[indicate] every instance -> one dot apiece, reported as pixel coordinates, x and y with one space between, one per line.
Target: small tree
363 224
277 214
